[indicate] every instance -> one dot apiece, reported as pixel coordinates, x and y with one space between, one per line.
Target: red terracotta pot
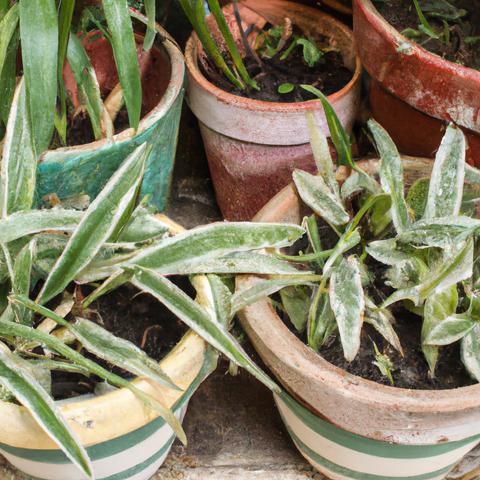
419 82
253 146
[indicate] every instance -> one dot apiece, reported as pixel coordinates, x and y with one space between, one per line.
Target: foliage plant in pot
252 144
395 265
44 326
86 92
421 87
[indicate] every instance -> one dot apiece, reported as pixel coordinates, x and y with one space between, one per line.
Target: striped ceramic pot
348 427
124 439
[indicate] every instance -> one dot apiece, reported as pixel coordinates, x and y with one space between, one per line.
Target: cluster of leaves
48 38
111 243
432 263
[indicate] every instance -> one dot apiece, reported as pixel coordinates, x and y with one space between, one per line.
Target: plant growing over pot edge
112 240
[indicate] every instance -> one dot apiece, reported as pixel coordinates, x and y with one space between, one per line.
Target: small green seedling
383 363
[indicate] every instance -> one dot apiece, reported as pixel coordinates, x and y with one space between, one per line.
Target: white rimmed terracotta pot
125 439
253 146
348 427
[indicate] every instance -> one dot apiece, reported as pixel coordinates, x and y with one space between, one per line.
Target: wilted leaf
296 301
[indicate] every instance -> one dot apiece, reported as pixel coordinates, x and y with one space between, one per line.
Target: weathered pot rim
174 89
296 354
182 365
269 123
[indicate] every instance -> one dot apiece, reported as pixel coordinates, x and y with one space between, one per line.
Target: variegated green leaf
125 52
19 162
21 281
358 182
150 35
450 330
348 303
8 27
470 351
111 283
296 302
391 176
193 315
317 195
321 153
8 75
385 251
142 226
103 219
39 33
409 273
382 320
321 320
417 197
32 396
446 183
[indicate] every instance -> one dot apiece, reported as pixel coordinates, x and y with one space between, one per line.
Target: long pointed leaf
150 35
192 314
8 25
321 320
102 219
39 32
446 183
7 78
19 161
43 409
125 52
21 281
470 351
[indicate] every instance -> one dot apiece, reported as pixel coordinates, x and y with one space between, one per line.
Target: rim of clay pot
274 335
182 365
435 86
262 123
338 6
172 92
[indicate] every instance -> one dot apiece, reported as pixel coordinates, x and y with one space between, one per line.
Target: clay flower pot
87 168
123 437
348 427
253 146
415 93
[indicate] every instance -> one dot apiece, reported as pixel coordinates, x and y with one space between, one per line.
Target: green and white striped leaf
194 316
321 320
142 226
446 182
391 176
19 162
317 195
321 153
33 397
450 330
358 182
7 78
21 281
110 284
125 52
348 303
39 33
470 351
108 213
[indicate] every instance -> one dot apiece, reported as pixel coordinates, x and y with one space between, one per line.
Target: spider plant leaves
348 303
39 33
254 293
33 397
382 320
21 281
296 301
7 77
358 182
391 176
321 320
321 153
125 52
8 26
108 213
470 351
111 283
50 342
194 316
318 196
446 183
87 82
151 31
142 226
19 162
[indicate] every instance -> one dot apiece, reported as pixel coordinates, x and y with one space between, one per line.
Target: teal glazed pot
87 168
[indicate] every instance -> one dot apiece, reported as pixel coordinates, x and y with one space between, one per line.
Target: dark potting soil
138 318
329 74
402 14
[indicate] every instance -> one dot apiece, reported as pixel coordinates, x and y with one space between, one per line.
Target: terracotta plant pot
348 427
87 168
124 438
253 146
409 81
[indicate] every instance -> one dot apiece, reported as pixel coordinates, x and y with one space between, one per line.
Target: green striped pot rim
340 454
134 456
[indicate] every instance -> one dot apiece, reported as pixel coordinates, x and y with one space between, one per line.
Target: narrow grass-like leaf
21 281
348 303
102 219
391 176
317 195
8 25
193 315
446 182
214 296
142 226
296 301
321 153
125 52
111 283
470 351
19 162
52 343
33 397
39 33
321 320
7 78
247 296
150 35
